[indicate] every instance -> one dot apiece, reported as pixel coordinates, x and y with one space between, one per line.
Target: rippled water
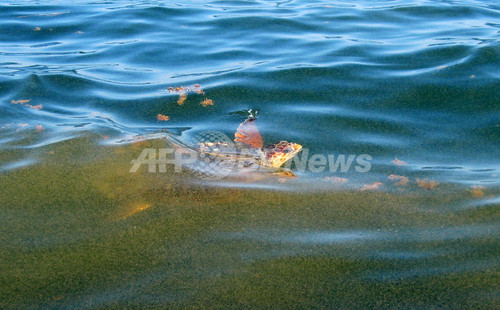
414 85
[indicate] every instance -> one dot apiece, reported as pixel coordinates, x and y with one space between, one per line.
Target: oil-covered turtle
247 151
273 155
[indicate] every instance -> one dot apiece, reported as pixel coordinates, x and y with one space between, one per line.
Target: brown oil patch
207 102
162 117
398 162
182 99
24 102
427 184
21 101
477 191
197 89
371 187
35 107
183 93
401 179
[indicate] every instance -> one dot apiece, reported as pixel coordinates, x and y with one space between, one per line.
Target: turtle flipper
248 133
284 172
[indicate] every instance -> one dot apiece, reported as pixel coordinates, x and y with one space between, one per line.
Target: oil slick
24 102
371 187
207 102
184 91
477 191
162 118
427 184
401 180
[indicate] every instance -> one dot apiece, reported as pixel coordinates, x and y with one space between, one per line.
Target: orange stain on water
136 208
371 187
35 107
21 101
398 162
401 179
477 191
24 102
182 99
427 184
162 117
207 102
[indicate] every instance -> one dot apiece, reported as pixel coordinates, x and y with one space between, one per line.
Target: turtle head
277 154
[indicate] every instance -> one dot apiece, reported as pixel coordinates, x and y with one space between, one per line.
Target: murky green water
412 85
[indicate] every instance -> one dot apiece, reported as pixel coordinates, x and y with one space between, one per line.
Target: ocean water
395 200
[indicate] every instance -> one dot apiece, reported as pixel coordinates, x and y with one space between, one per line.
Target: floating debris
427 184
22 101
37 29
477 191
182 99
39 128
21 126
180 89
197 89
402 180
370 187
162 117
207 102
183 92
35 107
398 162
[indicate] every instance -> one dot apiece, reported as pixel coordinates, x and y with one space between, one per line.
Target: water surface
414 85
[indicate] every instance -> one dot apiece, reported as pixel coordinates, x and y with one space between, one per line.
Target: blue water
414 80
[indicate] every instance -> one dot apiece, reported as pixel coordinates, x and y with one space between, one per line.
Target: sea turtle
215 152
273 155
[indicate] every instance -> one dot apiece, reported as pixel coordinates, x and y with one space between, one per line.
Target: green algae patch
79 230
